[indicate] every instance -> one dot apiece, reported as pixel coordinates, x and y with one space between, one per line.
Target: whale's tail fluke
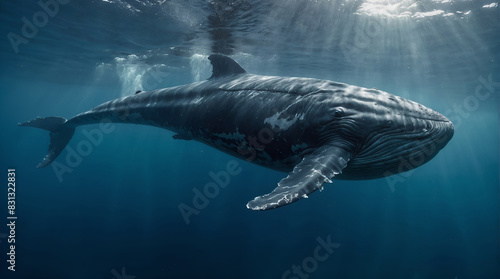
60 135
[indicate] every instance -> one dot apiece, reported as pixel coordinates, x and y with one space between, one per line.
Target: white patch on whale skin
237 136
283 123
235 139
197 100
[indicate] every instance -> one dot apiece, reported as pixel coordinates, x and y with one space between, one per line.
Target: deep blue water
116 214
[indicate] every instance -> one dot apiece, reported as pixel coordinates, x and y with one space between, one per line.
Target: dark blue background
119 207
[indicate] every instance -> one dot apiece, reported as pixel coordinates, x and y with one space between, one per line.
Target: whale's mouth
391 151
437 118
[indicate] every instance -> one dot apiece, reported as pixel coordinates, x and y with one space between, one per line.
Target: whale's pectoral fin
308 176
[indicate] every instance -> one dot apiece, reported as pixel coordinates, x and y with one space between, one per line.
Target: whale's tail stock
60 134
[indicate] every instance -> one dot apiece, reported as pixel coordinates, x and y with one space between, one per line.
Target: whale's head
387 134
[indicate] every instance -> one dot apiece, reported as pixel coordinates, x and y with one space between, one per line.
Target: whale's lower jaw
398 156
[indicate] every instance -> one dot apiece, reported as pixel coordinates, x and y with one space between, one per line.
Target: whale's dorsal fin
224 66
308 176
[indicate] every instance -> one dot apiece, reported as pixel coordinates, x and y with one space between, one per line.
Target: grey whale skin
314 129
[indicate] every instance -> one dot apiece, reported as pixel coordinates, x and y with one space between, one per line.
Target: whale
314 130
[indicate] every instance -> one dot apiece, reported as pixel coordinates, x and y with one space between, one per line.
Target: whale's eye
338 112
